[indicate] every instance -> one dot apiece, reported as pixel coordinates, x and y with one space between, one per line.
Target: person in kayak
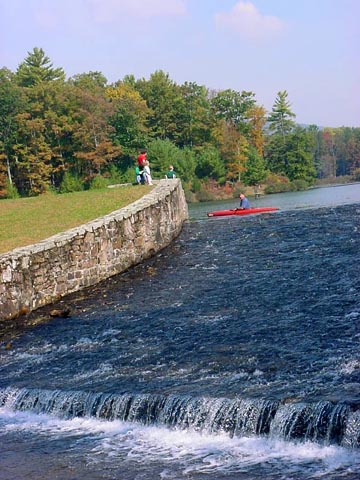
244 202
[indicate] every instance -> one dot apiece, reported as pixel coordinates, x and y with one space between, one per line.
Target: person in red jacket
142 158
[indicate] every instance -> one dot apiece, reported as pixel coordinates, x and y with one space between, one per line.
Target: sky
310 48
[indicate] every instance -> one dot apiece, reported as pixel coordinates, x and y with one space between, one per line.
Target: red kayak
240 211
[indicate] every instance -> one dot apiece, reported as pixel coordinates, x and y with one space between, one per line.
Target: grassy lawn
28 220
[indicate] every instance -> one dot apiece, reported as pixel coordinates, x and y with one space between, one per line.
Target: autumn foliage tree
130 116
62 133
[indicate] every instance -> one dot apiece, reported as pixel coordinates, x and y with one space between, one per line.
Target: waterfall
322 422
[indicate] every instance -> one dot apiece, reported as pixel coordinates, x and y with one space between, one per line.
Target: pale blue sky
308 47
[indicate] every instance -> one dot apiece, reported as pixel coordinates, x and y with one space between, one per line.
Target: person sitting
171 173
244 202
139 172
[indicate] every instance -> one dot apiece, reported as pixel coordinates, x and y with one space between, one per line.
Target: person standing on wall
142 158
147 173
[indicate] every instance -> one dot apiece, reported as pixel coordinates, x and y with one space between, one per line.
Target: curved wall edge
40 274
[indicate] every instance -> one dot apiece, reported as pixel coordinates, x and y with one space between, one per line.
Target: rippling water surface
232 354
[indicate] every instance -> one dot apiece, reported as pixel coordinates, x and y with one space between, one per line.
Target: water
233 354
314 198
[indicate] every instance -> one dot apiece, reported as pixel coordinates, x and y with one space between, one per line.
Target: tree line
81 132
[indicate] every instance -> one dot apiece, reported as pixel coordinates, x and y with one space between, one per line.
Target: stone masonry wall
39 274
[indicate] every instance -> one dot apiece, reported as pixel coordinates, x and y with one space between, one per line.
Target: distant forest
78 133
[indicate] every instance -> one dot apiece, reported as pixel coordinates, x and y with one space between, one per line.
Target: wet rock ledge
42 273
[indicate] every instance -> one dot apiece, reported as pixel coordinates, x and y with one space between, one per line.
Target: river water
232 354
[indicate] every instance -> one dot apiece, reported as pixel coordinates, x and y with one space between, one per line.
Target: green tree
11 103
328 156
185 164
33 156
161 153
91 81
37 68
193 115
92 132
233 148
46 114
347 144
11 191
161 95
280 118
314 133
293 159
233 107
300 157
255 172
275 155
49 102
70 183
129 119
209 164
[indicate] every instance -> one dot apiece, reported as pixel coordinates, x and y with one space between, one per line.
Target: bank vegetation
79 133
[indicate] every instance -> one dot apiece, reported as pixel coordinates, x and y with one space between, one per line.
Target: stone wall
40 274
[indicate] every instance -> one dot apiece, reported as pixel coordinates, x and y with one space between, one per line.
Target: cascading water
234 354
321 422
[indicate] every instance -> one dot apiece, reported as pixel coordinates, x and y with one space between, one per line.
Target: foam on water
261 309
350 367
195 452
